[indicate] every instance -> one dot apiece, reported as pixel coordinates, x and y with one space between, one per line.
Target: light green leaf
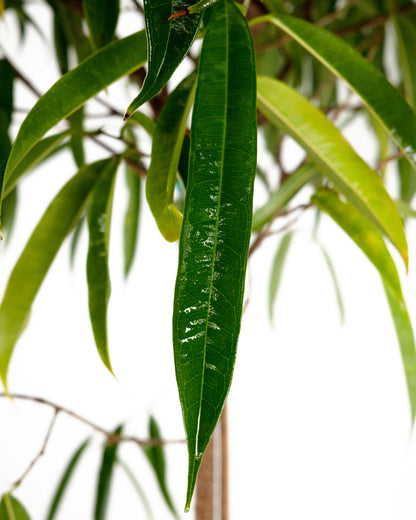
216 227
156 457
335 282
366 236
131 218
166 151
76 121
101 20
278 200
65 479
74 89
99 221
33 264
12 509
364 78
104 479
137 487
335 157
277 269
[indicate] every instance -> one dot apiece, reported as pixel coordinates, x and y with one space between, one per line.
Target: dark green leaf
156 457
144 121
406 38
104 479
74 89
366 236
131 218
6 93
99 221
12 509
166 150
9 212
277 269
168 42
364 78
65 479
76 121
101 20
335 157
76 234
33 264
216 227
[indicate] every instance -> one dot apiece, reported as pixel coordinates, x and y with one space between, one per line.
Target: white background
319 417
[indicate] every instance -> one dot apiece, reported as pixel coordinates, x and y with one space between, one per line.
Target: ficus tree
270 70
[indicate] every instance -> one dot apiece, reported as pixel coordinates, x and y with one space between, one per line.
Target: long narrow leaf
216 228
33 264
168 42
366 236
277 269
101 20
364 78
12 509
336 159
74 89
131 218
137 487
104 479
156 457
406 38
166 151
99 220
66 477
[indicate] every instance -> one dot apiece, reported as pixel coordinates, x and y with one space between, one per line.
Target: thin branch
111 437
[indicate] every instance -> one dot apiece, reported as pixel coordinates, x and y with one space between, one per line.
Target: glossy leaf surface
277 269
66 477
99 221
131 218
337 160
168 42
74 89
33 264
104 479
216 227
166 151
12 509
102 20
366 236
156 457
364 78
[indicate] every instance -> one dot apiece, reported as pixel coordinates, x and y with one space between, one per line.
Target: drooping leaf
168 42
35 260
166 151
137 487
334 156
74 89
368 239
131 218
364 78
304 174
65 479
156 457
335 283
277 269
99 221
216 227
104 479
12 509
42 150
101 20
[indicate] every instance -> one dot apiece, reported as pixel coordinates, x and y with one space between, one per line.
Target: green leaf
406 38
364 78
166 151
284 194
8 216
101 20
73 90
6 93
168 42
366 236
142 120
337 160
156 457
76 121
12 509
41 151
104 479
131 218
65 479
137 487
335 283
216 227
99 221
33 264
277 269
